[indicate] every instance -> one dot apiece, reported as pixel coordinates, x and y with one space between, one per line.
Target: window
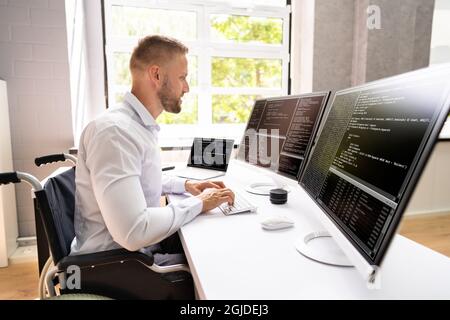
236 55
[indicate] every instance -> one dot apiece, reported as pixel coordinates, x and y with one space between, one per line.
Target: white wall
8 211
440 40
33 61
432 193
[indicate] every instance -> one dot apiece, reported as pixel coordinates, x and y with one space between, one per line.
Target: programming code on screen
281 129
299 134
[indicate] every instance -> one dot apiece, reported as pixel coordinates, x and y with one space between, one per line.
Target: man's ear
154 73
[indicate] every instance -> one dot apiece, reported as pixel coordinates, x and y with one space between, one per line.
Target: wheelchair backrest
57 211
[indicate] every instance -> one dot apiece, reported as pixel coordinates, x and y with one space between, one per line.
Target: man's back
113 127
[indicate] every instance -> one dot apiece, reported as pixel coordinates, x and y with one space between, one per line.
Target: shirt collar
141 111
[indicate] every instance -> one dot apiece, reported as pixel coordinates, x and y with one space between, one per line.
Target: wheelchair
117 274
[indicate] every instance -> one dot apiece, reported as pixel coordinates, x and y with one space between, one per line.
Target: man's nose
186 88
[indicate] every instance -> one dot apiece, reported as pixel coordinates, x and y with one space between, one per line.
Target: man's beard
169 102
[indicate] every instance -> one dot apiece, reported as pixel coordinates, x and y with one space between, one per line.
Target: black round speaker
278 196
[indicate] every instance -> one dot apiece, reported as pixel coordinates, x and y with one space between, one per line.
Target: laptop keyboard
240 205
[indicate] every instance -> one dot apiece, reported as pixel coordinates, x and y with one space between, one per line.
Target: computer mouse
277 222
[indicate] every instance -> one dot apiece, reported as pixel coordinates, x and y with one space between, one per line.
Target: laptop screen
210 153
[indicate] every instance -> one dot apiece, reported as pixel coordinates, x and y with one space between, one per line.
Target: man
118 178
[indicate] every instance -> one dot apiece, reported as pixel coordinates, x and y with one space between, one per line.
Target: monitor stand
319 246
263 188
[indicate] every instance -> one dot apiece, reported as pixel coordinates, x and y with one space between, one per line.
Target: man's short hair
155 50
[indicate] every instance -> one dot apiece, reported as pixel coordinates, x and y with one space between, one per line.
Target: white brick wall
5 33
29 3
44 17
38 34
14 15
34 62
49 53
32 69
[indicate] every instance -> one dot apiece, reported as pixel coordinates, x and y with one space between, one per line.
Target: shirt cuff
193 205
178 185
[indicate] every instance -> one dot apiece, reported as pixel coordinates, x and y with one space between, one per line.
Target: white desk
232 257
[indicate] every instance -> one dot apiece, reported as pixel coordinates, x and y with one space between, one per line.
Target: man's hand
197 187
213 198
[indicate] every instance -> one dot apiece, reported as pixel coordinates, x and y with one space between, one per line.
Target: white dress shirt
119 184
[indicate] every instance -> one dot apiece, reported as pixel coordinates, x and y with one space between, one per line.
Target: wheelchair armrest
104 257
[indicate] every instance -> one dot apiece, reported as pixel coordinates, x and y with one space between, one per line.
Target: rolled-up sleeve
114 162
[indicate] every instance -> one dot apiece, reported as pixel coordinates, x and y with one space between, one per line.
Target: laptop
208 159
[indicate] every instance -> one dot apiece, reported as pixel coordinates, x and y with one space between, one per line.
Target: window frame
205 49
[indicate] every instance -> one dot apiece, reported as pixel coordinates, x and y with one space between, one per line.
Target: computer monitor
279 134
368 157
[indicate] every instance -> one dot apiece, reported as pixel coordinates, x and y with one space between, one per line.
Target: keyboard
240 205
